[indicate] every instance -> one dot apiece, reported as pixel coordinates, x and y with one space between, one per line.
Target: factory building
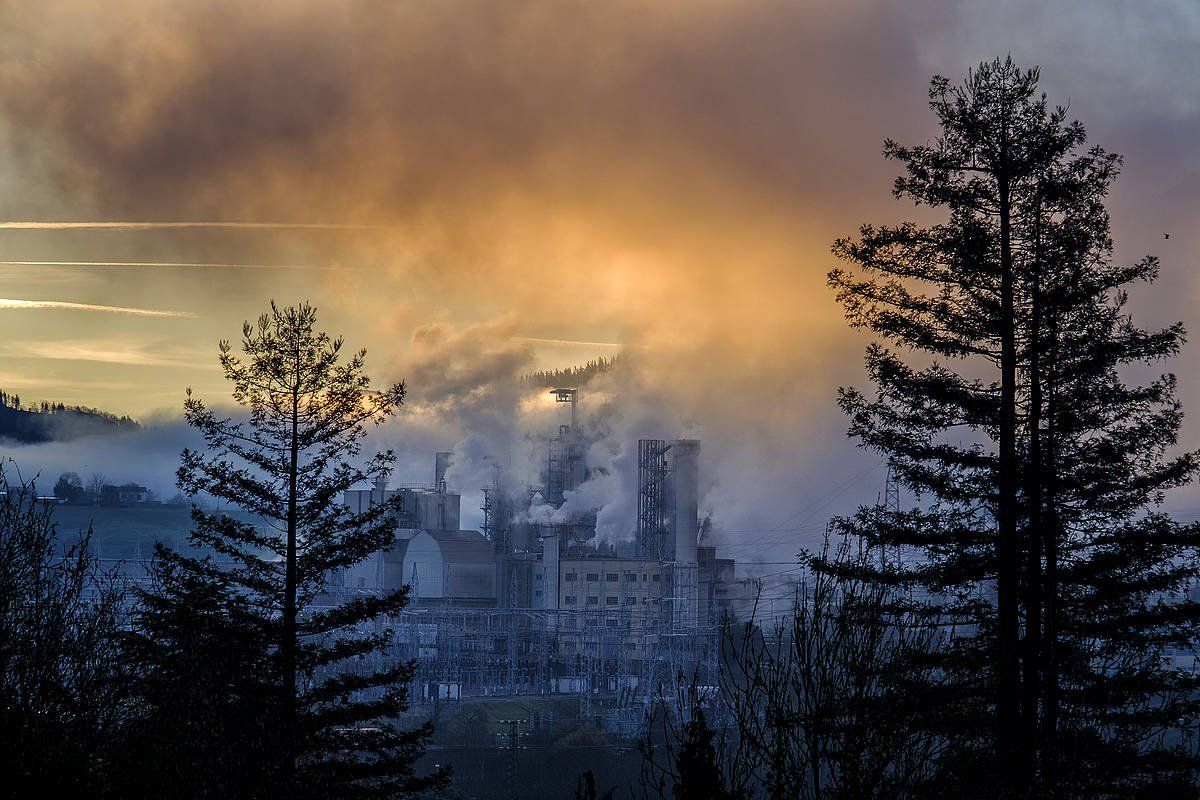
439 566
527 608
421 507
618 605
449 566
430 554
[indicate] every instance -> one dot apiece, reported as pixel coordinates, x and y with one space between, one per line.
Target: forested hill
570 376
45 422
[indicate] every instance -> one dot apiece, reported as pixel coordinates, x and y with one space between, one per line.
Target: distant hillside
46 422
571 376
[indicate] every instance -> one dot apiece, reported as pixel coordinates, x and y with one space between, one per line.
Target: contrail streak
8 303
567 342
182 264
139 226
110 352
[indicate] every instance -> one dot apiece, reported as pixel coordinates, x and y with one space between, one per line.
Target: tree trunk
289 601
1008 678
1032 651
1049 732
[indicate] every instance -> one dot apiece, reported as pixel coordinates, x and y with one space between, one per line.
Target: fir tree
1108 612
288 462
585 788
697 773
203 685
1036 465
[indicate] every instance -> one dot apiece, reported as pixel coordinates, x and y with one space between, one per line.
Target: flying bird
1166 236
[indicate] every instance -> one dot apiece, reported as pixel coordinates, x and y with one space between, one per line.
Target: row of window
613 577
572 600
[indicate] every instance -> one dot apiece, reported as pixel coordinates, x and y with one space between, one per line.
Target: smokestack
380 489
441 463
685 489
550 554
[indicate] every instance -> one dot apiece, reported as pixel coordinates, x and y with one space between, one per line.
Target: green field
128 533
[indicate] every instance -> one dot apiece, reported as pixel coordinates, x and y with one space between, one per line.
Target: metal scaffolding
497 513
566 466
654 520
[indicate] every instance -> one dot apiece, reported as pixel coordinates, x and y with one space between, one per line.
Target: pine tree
288 462
585 788
1108 577
697 774
1035 464
203 685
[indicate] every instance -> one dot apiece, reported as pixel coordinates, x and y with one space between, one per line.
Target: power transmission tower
585 692
889 504
512 630
891 492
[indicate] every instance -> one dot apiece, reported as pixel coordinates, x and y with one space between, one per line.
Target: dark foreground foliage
251 663
61 688
1025 627
1001 401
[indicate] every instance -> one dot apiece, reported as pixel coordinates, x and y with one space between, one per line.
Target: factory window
612 622
612 577
538 593
630 577
645 577
570 576
654 577
569 599
593 576
612 601
539 577
645 600
593 601
629 601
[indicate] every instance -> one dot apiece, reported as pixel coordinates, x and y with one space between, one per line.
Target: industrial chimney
685 489
441 463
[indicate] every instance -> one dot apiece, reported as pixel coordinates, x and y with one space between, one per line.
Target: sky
468 188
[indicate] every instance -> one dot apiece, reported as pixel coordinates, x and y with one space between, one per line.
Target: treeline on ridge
45 422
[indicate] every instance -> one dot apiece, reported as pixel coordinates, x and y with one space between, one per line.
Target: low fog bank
147 456
771 472
775 461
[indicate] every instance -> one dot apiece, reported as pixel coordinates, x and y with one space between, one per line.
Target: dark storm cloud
665 174
208 104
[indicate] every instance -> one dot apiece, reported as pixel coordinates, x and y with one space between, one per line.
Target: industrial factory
525 607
